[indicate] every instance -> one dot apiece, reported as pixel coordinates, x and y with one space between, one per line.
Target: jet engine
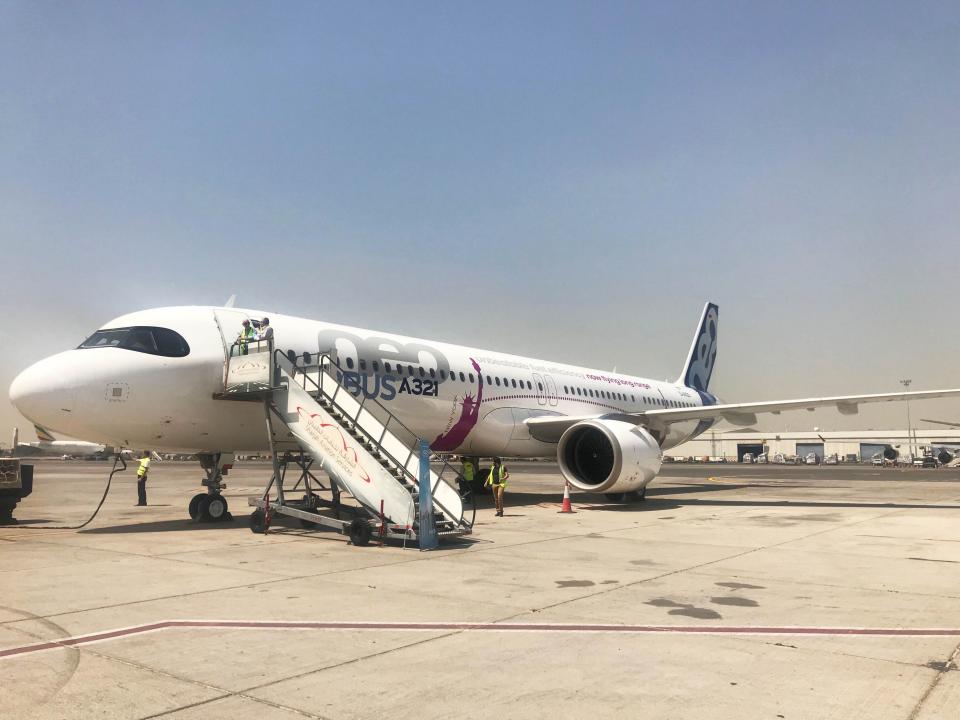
608 456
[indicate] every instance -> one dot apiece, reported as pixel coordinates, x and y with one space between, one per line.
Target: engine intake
609 456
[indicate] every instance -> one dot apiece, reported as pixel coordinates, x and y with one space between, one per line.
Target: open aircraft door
229 323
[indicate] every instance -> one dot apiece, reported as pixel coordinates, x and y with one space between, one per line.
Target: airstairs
364 449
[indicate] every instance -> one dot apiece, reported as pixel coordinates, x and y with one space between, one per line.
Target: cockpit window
150 340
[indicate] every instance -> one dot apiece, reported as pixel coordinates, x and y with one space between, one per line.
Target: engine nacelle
608 456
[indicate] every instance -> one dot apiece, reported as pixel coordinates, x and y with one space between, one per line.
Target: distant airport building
846 444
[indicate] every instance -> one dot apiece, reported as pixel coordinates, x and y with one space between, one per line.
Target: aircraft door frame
551 390
541 387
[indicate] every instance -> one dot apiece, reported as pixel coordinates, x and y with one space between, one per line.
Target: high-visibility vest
492 478
468 471
246 335
144 466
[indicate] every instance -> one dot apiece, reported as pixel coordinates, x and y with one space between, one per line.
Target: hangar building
863 444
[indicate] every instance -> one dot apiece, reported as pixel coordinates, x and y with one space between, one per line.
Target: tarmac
731 592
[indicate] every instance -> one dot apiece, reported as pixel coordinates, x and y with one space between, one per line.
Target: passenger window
433 373
376 366
350 363
489 381
462 379
513 382
386 366
410 370
469 375
443 374
363 364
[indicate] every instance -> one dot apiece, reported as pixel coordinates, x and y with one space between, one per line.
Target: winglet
703 351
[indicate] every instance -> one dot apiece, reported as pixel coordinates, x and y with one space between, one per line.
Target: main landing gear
212 506
627 497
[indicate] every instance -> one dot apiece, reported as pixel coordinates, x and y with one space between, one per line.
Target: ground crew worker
142 479
247 334
266 332
497 479
467 471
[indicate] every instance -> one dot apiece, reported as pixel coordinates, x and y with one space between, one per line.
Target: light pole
906 386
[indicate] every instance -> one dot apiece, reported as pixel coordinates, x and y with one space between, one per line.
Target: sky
569 181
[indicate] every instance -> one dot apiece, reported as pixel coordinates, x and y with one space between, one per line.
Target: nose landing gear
212 506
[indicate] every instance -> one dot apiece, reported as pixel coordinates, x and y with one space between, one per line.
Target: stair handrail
288 359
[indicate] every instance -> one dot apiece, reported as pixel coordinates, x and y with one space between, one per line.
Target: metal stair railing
328 388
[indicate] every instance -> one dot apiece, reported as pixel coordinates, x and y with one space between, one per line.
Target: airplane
48 445
155 378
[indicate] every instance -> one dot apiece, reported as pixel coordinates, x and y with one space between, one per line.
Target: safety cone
566 508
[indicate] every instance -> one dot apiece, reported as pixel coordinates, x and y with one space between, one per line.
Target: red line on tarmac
77 640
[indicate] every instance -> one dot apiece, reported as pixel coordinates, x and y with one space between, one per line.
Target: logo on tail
703 352
43 435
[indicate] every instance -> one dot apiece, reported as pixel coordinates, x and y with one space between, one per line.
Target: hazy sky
564 180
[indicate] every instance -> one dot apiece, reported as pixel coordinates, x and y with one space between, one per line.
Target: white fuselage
461 399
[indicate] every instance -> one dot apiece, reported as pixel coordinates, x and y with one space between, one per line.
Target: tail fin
16 439
43 435
703 352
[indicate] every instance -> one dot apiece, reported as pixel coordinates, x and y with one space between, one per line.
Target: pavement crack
947 667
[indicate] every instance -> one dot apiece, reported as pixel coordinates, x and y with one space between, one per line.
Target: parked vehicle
831 460
762 458
747 458
927 461
812 459
877 459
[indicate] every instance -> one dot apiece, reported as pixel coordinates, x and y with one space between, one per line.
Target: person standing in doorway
247 335
142 479
497 480
266 332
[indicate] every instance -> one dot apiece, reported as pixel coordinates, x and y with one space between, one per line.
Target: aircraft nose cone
41 394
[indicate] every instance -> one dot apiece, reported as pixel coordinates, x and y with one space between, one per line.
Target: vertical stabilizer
703 352
43 435
16 439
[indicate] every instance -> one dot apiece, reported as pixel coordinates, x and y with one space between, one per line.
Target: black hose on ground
117 459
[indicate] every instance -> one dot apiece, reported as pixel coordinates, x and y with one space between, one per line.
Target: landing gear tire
359 532
626 497
258 521
203 514
216 509
194 507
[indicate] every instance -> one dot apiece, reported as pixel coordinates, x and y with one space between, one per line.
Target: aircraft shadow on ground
283 525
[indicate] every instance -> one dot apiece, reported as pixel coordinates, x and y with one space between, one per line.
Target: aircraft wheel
359 532
626 497
203 514
216 509
258 521
194 507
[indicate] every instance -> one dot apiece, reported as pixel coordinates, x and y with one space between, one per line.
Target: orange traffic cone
566 508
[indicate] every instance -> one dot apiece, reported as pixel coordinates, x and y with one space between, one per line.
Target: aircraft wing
549 429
